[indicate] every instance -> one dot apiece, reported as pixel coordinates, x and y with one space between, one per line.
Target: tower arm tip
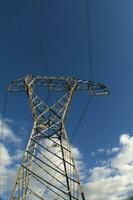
99 89
95 89
16 85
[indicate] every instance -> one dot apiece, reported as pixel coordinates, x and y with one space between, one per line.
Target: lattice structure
48 170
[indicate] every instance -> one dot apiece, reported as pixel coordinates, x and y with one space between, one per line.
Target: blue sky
53 38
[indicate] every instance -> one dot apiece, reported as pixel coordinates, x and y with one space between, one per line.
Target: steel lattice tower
48 170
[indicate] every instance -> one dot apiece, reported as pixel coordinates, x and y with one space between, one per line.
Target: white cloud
5 158
93 154
76 153
7 173
113 180
115 149
100 150
39 188
7 133
99 173
125 139
18 155
42 190
8 170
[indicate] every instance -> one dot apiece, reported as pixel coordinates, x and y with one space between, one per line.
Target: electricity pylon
48 170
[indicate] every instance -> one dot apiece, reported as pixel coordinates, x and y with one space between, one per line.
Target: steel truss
48 170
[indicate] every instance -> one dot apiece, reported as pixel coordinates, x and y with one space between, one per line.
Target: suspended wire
89 42
42 55
42 46
90 57
48 97
81 119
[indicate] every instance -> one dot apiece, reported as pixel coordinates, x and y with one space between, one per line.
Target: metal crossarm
59 84
48 170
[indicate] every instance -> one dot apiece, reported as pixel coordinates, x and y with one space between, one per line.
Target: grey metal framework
48 170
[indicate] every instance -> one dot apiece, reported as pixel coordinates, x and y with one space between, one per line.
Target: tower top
55 83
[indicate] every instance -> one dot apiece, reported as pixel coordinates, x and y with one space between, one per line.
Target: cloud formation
7 173
8 160
7 132
113 180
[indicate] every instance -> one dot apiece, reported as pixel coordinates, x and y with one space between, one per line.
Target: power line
90 53
89 37
42 55
81 119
